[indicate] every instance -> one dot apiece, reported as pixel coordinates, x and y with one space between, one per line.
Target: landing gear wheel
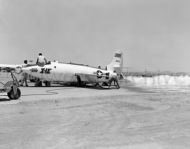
104 85
47 83
14 95
38 84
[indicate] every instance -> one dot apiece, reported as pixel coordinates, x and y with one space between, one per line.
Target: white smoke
161 80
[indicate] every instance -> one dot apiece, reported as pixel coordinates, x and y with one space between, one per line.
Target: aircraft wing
7 68
13 68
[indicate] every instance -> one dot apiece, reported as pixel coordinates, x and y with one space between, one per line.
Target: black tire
11 94
32 80
38 84
105 84
47 83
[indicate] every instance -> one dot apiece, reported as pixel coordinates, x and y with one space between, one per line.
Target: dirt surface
86 118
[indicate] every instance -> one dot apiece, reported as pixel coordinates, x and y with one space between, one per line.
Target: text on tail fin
117 62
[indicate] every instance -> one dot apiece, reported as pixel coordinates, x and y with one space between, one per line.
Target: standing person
24 75
41 60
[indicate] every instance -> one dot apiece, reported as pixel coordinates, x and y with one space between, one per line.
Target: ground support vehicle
12 88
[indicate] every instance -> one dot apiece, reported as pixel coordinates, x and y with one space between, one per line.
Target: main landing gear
113 82
39 83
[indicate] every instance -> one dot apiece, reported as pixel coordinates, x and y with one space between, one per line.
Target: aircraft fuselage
69 72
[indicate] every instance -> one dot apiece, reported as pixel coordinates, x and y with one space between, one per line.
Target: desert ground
91 118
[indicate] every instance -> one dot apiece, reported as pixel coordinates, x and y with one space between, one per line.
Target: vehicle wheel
38 83
11 94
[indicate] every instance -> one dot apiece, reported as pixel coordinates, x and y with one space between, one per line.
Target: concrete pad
72 117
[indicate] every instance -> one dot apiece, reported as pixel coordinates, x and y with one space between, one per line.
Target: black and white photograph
94 74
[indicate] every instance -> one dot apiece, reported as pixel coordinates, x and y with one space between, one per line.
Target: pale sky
153 34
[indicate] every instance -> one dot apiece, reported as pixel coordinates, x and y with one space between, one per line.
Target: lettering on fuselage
34 70
45 70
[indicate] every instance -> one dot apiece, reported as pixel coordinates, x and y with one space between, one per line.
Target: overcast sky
153 34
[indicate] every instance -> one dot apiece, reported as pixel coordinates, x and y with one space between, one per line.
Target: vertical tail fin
117 63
